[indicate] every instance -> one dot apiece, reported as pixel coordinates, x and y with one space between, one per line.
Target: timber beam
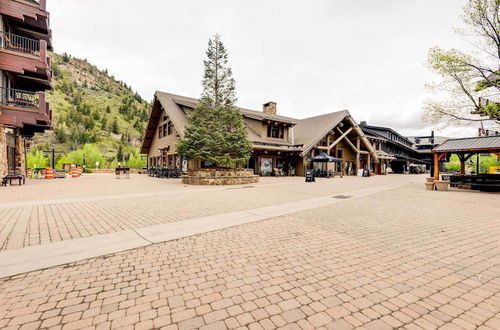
340 138
347 139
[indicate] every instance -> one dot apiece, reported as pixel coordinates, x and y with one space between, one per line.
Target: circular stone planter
430 179
220 176
442 185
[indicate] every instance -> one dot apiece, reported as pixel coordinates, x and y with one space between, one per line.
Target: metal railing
19 98
19 44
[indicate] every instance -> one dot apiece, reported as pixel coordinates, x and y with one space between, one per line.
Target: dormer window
275 132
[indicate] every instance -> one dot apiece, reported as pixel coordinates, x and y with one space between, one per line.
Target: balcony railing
19 44
19 98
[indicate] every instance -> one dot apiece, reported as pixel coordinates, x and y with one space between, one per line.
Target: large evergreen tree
216 132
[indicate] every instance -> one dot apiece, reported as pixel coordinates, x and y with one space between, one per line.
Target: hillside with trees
93 111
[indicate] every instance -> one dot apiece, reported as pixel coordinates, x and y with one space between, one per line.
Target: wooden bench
10 177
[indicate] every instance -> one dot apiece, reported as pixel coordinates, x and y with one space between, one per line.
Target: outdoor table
125 171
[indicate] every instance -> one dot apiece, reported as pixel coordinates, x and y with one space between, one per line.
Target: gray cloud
309 56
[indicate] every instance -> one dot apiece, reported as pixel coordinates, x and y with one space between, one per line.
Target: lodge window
277 132
165 129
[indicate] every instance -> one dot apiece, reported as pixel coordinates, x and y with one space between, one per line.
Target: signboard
266 166
96 164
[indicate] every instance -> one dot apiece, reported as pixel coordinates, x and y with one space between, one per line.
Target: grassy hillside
91 107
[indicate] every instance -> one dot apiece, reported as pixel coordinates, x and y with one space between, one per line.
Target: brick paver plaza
401 257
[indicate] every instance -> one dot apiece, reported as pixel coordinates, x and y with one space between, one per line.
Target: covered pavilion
465 148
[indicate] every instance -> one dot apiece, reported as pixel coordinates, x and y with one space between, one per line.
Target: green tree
216 132
135 161
467 78
114 127
88 155
119 154
36 159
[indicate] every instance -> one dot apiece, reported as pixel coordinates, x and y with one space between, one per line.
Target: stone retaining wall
220 176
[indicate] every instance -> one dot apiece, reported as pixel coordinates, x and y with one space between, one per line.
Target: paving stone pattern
40 221
429 261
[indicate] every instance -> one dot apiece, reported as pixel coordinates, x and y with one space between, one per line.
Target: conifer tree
216 132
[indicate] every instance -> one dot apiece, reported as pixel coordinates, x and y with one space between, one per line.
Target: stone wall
3 153
20 155
220 176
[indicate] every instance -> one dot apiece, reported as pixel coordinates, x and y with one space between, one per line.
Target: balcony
19 108
16 98
19 44
25 57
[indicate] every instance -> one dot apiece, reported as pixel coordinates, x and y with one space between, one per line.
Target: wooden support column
437 158
357 155
436 166
462 163
368 160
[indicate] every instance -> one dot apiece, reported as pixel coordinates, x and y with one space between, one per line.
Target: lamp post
53 152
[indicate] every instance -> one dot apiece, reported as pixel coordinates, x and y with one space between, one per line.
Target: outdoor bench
10 177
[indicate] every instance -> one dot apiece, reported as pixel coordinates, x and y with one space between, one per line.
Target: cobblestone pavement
98 204
405 258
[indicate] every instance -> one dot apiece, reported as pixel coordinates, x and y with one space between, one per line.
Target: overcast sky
311 57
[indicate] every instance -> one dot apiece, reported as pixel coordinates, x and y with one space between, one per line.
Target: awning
324 158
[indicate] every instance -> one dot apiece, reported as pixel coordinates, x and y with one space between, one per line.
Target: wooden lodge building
280 144
25 74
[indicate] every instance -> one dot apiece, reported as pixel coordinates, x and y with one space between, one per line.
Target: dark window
206 164
170 127
160 131
11 158
11 152
165 130
277 132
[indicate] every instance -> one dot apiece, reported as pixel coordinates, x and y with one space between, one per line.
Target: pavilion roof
483 143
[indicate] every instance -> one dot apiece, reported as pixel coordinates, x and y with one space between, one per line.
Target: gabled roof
307 132
483 143
310 131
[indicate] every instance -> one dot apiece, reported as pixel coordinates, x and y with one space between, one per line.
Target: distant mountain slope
90 106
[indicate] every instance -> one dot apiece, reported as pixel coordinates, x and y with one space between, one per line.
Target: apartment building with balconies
25 75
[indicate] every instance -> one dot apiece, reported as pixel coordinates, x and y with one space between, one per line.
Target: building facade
281 145
399 151
25 74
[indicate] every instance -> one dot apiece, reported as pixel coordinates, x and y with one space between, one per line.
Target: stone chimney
270 108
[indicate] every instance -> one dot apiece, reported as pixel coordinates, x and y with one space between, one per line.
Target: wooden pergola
465 148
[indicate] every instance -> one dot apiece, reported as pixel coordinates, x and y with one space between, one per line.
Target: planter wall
220 176
429 185
442 185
